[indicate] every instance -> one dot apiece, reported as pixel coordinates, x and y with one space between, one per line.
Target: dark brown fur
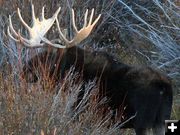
147 93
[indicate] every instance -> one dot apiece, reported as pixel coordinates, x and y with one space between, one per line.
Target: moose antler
39 28
82 33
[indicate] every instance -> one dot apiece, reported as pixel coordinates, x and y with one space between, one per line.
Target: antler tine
8 31
33 14
61 34
73 22
91 17
96 20
21 19
43 13
11 27
83 32
14 32
85 18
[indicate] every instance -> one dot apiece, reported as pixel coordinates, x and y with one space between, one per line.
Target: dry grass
34 109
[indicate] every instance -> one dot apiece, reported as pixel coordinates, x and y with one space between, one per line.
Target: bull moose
146 93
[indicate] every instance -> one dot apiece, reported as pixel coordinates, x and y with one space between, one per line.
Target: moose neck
94 63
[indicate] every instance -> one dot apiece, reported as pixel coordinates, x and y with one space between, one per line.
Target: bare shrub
28 109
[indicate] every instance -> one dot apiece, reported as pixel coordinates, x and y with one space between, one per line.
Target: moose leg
159 130
164 113
143 131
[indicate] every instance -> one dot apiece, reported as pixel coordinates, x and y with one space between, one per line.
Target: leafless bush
28 109
153 30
